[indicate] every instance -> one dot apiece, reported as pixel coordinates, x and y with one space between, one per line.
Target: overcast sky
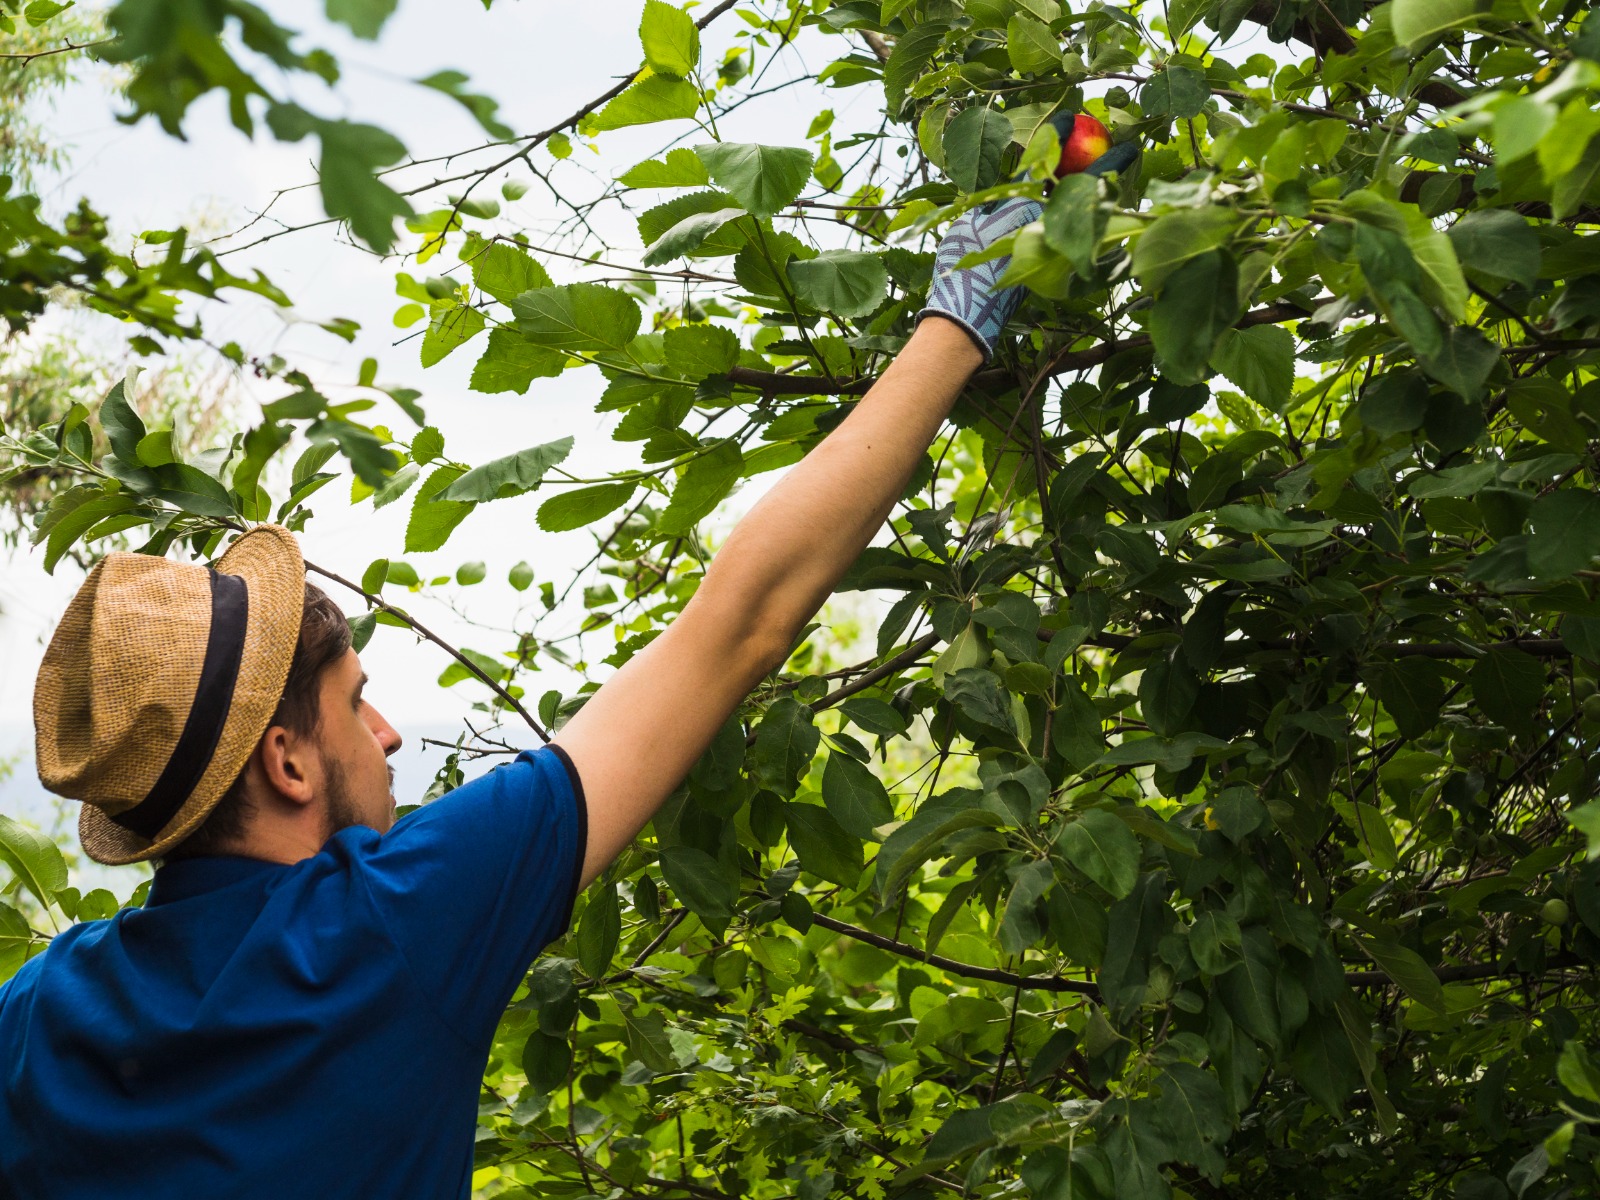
541 61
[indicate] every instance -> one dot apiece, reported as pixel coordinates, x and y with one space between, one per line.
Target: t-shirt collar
189 877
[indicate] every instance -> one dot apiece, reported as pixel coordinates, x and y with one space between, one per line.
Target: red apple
1088 141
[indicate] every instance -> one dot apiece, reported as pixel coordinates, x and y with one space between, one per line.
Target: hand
968 296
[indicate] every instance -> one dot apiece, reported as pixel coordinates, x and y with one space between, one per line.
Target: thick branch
1044 983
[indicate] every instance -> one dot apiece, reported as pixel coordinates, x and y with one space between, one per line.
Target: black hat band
202 728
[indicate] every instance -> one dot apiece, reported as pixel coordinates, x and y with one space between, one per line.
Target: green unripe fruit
1583 687
1488 845
1463 838
1451 857
1555 912
1591 709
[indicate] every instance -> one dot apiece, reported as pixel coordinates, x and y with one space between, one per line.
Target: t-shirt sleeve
472 886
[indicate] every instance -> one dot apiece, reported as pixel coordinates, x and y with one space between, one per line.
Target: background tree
1196 820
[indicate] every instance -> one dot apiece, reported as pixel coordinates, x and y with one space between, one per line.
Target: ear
288 765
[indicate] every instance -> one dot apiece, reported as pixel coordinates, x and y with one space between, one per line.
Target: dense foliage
1196 817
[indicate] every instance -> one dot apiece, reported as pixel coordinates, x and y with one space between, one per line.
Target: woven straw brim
268 559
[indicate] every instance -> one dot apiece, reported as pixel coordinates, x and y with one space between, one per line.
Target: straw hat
159 682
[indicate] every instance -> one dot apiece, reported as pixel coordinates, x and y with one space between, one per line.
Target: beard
343 810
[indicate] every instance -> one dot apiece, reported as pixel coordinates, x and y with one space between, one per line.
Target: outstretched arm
636 739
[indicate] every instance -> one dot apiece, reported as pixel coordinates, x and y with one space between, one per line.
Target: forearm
784 558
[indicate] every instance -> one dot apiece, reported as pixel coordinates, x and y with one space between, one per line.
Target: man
304 1005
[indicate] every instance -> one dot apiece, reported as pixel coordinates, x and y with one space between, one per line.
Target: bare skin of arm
636 739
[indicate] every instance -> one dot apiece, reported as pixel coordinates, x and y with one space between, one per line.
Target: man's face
354 741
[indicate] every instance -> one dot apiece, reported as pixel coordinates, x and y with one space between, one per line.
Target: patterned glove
968 296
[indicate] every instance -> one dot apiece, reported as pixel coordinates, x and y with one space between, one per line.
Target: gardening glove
968 296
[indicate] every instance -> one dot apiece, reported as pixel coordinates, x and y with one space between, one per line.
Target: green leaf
583 506
703 884
505 272
80 520
1176 238
352 154
1324 1064
33 859
680 168
123 426
700 351
521 576
1508 685
847 282
688 235
192 490
598 931
1176 91
1198 303
973 145
1565 532
364 18
1074 222
1215 942
510 363
484 109
705 482
1033 49
1104 849
670 40
578 317
1412 690
1020 926
823 847
657 98
1258 361
449 329
763 179
1415 20
646 1036
1498 242
433 520
1167 693
1406 968
1463 360
855 796
509 476
911 54
1193 1116
785 741
361 630
1578 1073
1250 991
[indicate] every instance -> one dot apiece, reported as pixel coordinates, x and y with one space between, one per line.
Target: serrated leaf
855 796
509 476
578 317
449 329
705 481
582 506
510 363
656 98
33 859
1258 361
505 272
680 168
822 845
670 40
973 145
763 179
434 519
847 282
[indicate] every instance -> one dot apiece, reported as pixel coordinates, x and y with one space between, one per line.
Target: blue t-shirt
304 1031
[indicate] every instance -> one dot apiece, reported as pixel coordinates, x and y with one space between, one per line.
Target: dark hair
324 637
